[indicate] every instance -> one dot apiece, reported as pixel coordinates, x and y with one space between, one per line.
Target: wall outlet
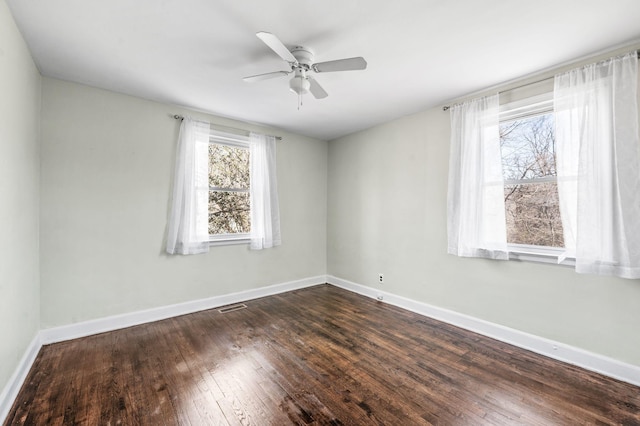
380 278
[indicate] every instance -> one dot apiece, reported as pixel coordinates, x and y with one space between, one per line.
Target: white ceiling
420 53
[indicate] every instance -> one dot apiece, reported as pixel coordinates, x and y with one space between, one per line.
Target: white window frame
236 141
529 107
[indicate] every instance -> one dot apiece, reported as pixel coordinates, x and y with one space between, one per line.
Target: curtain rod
447 107
180 117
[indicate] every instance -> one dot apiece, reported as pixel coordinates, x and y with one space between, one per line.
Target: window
229 185
528 147
225 190
592 114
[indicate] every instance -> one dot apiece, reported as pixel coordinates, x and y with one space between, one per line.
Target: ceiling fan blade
266 76
316 90
277 46
349 64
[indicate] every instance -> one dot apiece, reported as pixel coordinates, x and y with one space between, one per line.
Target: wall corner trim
11 389
611 367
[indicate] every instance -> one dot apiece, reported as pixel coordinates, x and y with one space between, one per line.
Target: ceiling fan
300 61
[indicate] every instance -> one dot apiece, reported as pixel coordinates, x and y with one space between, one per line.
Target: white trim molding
562 352
11 389
116 322
101 325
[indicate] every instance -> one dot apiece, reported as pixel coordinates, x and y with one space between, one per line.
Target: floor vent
232 308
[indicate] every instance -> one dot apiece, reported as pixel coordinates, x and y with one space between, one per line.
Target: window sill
539 254
229 239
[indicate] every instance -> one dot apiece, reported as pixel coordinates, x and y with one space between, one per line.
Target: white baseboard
588 360
115 322
562 352
11 389
101 325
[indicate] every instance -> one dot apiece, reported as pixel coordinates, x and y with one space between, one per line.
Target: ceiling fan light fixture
299 85
299 59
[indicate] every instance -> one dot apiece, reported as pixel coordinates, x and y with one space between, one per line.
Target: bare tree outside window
229 210
531 189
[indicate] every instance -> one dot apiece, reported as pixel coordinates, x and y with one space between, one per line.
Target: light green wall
19 182
107 166
103 189
387 214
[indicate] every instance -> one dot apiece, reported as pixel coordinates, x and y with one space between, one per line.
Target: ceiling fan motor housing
304 56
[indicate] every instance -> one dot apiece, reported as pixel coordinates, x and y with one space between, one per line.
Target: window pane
528 147
229 212
228 166
533 214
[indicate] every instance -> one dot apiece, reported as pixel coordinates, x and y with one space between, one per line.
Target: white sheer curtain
188 231
475 207
265 213
598 162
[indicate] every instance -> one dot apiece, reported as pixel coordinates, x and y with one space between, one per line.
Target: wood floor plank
316 356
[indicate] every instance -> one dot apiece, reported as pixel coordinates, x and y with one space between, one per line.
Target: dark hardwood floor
318 356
